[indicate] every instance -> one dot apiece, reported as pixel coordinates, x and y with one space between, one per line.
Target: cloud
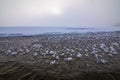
59 12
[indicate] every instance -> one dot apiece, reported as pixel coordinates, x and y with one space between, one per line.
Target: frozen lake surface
54 30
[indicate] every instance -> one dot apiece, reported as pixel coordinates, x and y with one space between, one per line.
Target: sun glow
55 10
43 10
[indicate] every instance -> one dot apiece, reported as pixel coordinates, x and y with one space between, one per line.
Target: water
41 30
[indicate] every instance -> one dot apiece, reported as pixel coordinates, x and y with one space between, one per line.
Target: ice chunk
52 52
37 45
86 50
53 62
27 50
79 55
116 44
96 55
86 55
53 55
72 50
114 52
69 59
110 54
13 53
46 52
8 52
35 54
88 65
112 49
62 54
103 61
68 49
21 50
102 45
57 57
80 49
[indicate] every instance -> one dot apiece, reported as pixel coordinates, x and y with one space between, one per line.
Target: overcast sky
59 13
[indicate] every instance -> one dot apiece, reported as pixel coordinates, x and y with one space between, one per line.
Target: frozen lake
41 30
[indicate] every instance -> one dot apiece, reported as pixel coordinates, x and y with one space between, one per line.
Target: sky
57 13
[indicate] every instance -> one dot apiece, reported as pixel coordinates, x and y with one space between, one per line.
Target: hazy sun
55 10
45 9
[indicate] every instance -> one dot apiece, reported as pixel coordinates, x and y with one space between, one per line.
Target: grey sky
59 12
